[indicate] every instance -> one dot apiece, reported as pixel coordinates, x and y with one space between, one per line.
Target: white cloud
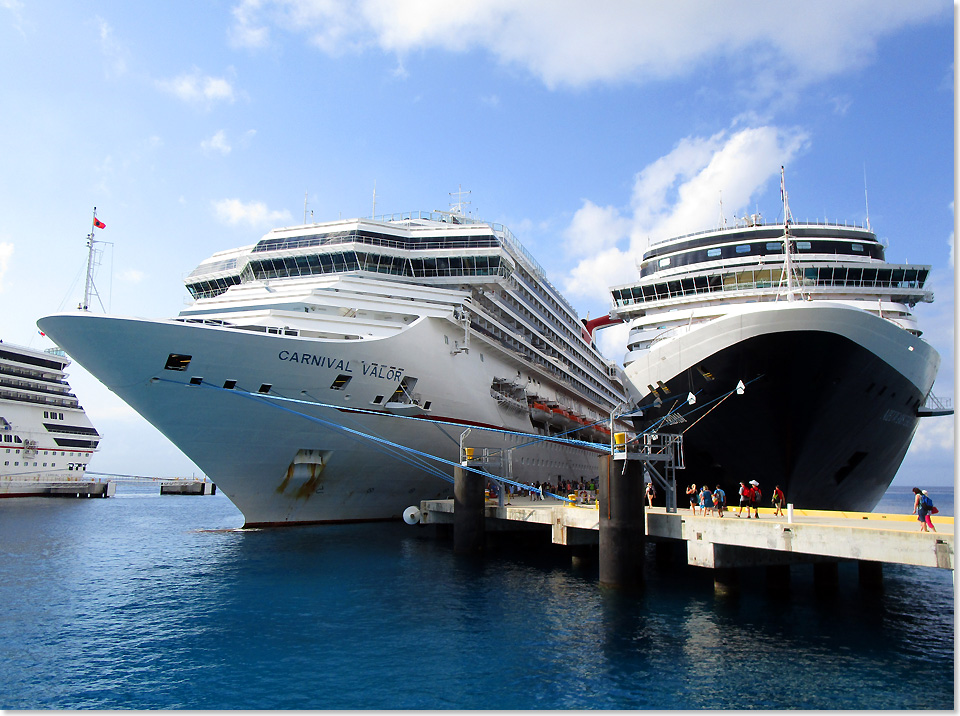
216 143
677 194
934 435
571 43
131 275
195 87
114 53
254 213
595 228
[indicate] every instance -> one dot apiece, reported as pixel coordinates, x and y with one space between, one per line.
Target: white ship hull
286 462
830 404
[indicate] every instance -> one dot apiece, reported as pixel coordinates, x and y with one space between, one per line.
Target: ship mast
89 288
788 253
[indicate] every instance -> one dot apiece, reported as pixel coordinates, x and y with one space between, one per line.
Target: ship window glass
341 382
177 361
803 246
664 262
196 380
774 246
857 247
743 249
713 253
378 400
229 384
265 388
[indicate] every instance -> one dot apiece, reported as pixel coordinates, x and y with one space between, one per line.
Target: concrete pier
57 489
188 487
814 536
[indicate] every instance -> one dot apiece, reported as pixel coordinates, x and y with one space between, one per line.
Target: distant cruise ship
796 347
45 436
318 370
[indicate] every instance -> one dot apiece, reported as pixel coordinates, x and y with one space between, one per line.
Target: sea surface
149 602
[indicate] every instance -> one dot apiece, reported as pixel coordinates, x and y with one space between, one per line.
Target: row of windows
906 279
341 262
839 248
70 465
53 453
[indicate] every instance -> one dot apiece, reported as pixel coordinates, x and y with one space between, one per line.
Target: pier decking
726 542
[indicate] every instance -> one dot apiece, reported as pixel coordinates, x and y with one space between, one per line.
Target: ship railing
932 402
760 224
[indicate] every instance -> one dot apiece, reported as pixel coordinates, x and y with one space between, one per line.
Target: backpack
925 501
756 495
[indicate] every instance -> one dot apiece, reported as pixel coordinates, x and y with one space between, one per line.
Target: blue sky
587 128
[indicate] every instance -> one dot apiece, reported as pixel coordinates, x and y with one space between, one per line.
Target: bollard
789 513
468 506
622 529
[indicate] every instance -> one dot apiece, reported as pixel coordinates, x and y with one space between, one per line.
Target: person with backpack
923 508
744 500
754 499
778 500
719 500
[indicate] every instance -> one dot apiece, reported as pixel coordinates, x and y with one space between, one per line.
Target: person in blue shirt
706 501
719 500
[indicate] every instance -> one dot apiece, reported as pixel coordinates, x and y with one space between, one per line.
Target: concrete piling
622 529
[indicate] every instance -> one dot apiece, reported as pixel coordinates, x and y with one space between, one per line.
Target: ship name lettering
315 360
893 416
382 371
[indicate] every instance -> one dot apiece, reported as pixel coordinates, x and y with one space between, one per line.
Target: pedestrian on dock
706 501
778 501
651 493
923 508
755 496
719 500
692 493
743 499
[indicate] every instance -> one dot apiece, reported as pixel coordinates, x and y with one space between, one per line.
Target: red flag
99 224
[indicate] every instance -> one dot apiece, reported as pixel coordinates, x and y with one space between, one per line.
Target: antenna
374 214
457 206
722 221
304 207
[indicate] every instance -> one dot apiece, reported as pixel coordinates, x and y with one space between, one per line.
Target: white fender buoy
411 515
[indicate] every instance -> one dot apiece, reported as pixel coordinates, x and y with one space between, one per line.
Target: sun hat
754 482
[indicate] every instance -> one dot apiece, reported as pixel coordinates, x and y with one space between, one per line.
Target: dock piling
622 529
468 504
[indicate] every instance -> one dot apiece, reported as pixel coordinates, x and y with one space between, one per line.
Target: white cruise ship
318 370
803 369
45 436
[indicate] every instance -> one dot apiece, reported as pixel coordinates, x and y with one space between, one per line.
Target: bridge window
743 249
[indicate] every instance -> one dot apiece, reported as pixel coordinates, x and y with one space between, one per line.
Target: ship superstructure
289 377
45 435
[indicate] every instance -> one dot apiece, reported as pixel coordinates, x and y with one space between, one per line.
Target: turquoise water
149 602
